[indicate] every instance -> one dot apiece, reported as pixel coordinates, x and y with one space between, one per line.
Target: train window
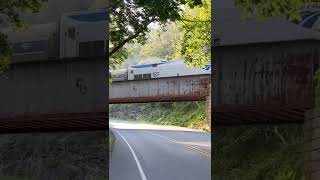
91 48
29 47
309 23
207 67
146 76
137 76
131 71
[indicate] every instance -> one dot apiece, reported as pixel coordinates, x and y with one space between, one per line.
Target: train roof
88 16
232 30
151 65
162 63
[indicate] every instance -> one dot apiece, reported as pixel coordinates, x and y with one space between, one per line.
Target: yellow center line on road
207 154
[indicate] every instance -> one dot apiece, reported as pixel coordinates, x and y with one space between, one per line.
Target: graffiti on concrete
81 84
268 80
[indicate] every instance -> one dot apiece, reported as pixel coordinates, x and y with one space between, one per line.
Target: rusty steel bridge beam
235 115
171 89
53 122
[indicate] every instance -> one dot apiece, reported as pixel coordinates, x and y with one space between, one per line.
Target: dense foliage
196 26
5 54
285 8
185 114
130 21
264 153
163 42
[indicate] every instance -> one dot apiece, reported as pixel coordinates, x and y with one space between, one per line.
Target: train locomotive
158 70
77 34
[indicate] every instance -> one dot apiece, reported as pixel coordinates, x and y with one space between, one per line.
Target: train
158 70
310 19
77 34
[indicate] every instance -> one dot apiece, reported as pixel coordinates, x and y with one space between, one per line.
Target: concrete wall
54 87
264 83
273 74
182 88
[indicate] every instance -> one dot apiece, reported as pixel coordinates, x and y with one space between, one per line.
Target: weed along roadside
111 142
54 151
184 114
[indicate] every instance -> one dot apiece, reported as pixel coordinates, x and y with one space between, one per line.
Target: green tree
196 26
286 8
163 42
5 54
130 21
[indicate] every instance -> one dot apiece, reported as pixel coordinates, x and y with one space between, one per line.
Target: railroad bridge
169 89
261 67
54 95
57 76
265 74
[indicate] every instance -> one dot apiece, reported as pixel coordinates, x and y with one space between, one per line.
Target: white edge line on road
143 176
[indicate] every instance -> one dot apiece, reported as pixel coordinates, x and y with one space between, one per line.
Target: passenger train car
158 70
77 34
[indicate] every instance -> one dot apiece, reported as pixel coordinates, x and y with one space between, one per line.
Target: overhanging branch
120 45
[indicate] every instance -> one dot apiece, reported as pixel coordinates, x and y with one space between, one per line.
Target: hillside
264 153
185 114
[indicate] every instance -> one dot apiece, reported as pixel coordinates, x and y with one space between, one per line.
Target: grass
183 114
111 142
54 156
258 152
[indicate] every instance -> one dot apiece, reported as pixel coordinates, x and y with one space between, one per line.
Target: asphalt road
153 152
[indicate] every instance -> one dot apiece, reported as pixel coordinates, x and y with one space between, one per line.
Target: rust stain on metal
240 115
184 88
282 81
279 81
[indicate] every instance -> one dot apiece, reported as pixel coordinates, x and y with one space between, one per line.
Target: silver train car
77 34
158 70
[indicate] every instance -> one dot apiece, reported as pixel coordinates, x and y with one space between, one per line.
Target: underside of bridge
235 115
55 95
54 122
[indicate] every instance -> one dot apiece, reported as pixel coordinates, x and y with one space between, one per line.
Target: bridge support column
208 100
312 145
